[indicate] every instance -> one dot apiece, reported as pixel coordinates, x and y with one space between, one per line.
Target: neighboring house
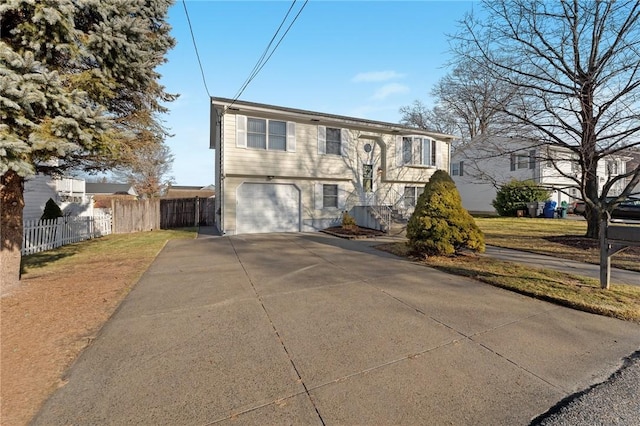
68 192
189 192
481 166
103 192
633 163
286 170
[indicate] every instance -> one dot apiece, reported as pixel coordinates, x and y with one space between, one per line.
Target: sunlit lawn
533 235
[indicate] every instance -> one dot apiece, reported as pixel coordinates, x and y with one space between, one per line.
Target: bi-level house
288 170
483 165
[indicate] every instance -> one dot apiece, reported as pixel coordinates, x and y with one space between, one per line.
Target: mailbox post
614 238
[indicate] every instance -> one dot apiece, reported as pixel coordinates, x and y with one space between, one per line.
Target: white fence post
42 235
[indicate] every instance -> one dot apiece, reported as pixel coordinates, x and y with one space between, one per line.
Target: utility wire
266 50
261 63
193 38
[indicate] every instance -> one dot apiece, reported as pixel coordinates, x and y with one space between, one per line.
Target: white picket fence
42 235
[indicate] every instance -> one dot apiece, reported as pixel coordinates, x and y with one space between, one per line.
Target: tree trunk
11 228
593 209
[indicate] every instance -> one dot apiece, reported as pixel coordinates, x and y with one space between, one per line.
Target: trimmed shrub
515 195
348 221
439 224
51 210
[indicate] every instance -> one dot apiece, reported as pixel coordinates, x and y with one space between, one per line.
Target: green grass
533 235
139 246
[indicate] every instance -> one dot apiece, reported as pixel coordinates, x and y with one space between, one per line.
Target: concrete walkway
312 329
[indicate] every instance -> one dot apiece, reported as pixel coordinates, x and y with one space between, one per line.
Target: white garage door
267 208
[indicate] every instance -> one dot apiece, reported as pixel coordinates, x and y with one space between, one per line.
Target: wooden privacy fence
182 212
42 235
135 215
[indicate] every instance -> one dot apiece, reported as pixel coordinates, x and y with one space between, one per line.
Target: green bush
439 224
51 211
515 195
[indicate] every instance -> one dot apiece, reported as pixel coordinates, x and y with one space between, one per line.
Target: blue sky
363 59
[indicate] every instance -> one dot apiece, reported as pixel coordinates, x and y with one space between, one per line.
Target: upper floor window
417 150
612 167
457 169
333 141
523 160
266 134
260 133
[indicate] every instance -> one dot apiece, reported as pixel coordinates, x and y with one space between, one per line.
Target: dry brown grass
582 293
63 299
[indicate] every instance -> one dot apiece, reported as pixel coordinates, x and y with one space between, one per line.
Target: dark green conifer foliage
51 210
440 225
515 195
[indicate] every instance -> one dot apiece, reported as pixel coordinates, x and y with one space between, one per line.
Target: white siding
37 192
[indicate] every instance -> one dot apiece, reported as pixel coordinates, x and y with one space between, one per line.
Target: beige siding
309 170
306 162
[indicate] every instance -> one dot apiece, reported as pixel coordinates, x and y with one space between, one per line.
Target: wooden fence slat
183 212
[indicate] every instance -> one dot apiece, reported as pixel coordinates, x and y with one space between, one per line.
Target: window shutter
426 152
513 162
322 140
532 159
342 197
291 136
399 150
345 142
461 168
318 196
241 131
441 155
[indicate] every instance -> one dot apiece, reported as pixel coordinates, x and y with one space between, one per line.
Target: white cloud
376 76
388 90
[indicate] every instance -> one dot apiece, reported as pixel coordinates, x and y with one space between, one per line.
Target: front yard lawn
554 237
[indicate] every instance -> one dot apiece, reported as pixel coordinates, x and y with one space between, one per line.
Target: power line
266 49
195 47
262 61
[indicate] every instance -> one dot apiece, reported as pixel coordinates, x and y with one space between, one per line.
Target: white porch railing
42 235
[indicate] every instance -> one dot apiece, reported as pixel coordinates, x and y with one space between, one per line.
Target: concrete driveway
312 329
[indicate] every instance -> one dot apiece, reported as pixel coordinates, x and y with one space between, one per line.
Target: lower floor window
330 196
411 195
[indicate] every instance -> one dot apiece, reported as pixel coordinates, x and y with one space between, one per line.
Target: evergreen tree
439 224
51 210
78 83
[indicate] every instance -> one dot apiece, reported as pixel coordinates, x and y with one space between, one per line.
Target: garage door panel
267 208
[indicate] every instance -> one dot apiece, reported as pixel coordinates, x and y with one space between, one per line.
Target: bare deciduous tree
574 68
148 170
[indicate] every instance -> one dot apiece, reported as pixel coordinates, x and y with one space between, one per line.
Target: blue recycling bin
549 209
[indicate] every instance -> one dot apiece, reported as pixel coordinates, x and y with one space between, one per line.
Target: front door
368 161
368 196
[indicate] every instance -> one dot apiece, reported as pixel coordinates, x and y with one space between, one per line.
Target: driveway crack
277 333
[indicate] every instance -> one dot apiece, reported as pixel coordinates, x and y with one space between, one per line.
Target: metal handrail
383 214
